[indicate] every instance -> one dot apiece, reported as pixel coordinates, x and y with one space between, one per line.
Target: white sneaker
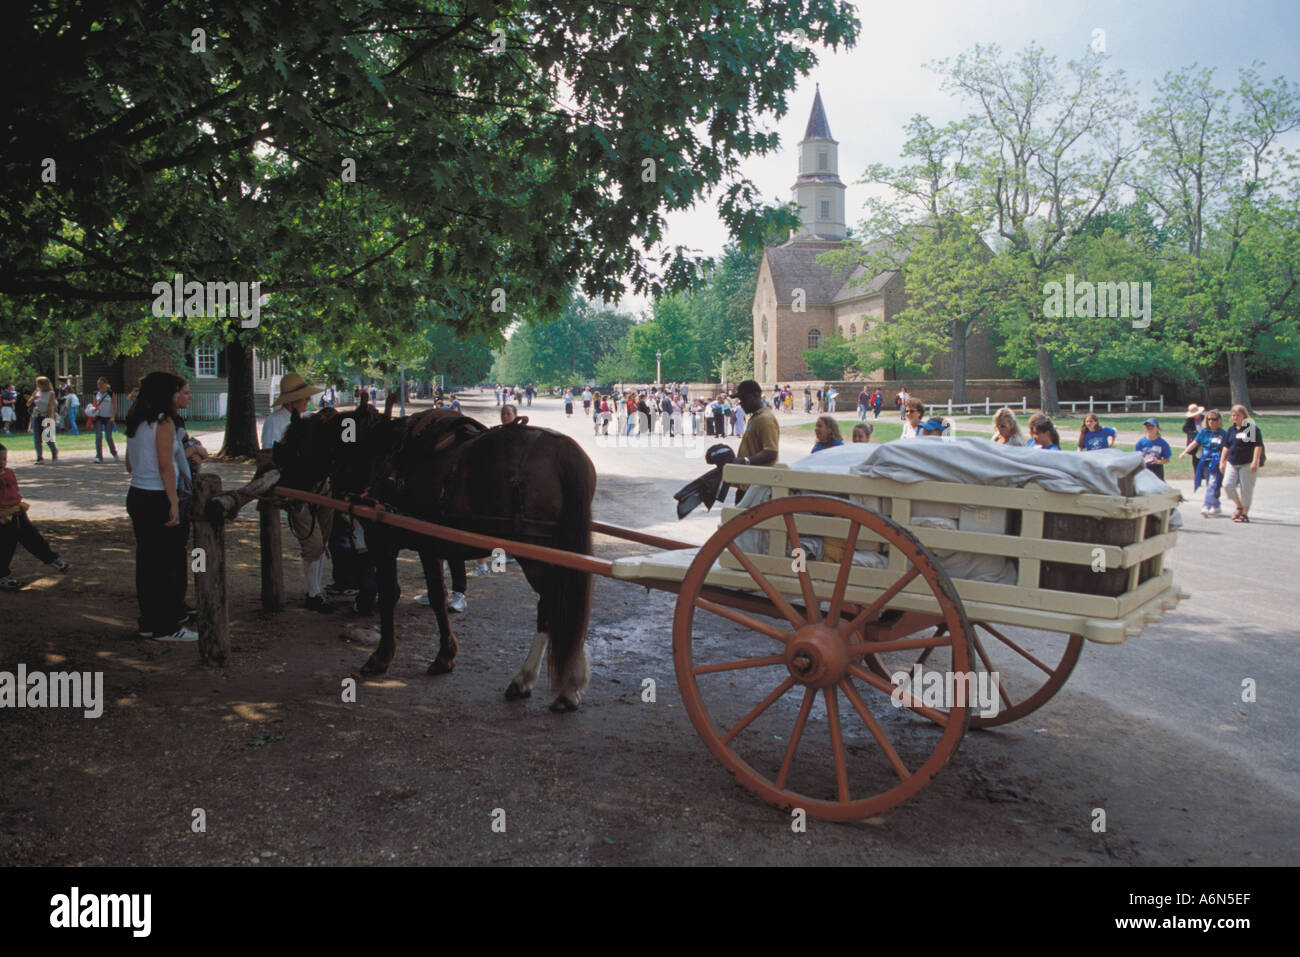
457 603
483 570
1206 513
180 634
422 599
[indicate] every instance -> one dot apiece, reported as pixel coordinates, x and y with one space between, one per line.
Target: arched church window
814 338
823 161
765 328
853 329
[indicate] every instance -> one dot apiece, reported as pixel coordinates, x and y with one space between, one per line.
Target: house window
826 209
205 362
823 161
814 338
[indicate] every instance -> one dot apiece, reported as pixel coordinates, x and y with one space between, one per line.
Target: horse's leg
385 555
572 681
447 646
521 686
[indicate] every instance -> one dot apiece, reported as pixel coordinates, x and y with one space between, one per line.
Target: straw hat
294 387
1194 409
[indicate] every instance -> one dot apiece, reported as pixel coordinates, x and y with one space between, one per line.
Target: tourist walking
1243 456
1155 450
1207 450
104 414
44 409
8 409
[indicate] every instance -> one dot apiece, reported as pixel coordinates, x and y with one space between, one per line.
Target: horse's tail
570 605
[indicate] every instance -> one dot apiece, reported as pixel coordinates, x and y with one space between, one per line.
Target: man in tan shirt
762 439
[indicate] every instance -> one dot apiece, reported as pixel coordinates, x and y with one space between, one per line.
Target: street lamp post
658 372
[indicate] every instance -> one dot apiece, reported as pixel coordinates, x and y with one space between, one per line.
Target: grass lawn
86 440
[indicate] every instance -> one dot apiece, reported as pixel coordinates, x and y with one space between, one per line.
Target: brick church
835 303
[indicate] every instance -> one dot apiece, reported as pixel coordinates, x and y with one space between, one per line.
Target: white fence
1093 404
989 406
1129 402
207 405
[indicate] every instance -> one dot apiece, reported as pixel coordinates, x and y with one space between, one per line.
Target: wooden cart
750 627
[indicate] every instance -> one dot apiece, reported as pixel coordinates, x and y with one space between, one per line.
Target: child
1093 436
1154 449
1209 442
16 527
1045 434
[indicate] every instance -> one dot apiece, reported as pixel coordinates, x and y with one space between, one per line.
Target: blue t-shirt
827 445
1211 443
1156 448
1048 448
1098 439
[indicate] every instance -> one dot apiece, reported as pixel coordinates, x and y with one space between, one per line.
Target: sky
872 90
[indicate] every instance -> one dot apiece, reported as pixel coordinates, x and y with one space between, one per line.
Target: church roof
794 266
818 128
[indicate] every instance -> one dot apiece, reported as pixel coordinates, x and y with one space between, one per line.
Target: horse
514 482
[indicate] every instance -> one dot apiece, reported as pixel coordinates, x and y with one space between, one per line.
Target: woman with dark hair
157 501
1045 435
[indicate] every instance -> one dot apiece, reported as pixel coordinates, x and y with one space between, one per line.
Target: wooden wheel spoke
768 588
909 699
805 579
762 706
884 647
837 744
795 735
740 618
1012 645
870 611
874 727
989 669
739 664
842 579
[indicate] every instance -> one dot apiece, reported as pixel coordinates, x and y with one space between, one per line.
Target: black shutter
221 362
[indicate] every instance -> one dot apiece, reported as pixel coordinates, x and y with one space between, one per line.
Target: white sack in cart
975 461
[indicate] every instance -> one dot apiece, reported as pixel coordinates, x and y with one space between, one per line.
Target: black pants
161 572
458 580
719 426
19 529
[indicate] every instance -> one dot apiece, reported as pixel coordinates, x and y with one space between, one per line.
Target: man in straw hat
310 523
1192 424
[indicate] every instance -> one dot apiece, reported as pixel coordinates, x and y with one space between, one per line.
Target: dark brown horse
512 482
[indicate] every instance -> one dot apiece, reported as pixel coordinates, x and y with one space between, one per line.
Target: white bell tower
818 190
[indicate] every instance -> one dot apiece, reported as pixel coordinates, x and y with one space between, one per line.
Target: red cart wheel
736 686
1038 672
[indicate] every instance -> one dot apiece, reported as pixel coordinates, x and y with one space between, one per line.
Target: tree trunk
959 330
241 420
1237 387
1047 382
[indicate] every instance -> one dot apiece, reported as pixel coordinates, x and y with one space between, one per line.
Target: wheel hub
817 656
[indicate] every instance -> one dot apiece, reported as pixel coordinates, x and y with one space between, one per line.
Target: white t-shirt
143 451
276 424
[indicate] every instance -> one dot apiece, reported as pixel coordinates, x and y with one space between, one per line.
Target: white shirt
276 424
142 448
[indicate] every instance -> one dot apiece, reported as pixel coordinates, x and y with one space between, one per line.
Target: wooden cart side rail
984 543
1031 497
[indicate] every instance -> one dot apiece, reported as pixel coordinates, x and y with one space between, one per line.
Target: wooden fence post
209 565
268 522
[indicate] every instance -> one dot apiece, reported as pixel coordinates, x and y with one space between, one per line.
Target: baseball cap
1155 422
932 424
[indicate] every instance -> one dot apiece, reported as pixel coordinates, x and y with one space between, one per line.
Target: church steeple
818 190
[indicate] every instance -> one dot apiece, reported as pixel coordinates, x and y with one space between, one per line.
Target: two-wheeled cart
803 669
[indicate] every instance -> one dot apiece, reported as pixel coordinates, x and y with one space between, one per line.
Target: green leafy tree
831 359
1217 170
370 162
